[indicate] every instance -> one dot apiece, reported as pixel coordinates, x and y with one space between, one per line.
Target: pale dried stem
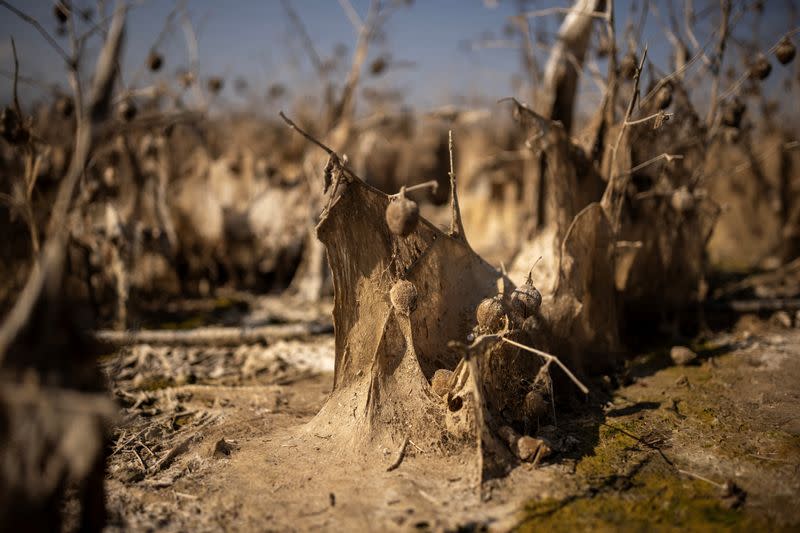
725 8
549 357
49 267
612 197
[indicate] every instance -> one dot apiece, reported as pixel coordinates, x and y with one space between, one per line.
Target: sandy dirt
225 446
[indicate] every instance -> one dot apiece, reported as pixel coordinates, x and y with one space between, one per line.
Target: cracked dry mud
653 453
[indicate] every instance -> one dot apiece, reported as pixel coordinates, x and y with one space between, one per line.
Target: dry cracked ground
207 440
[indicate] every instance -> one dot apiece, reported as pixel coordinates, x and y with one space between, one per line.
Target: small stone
782 318
681 355
441 382
528 447
223 448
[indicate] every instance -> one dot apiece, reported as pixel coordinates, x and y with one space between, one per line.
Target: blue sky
253 39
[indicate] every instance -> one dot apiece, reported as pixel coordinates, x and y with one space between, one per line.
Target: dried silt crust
406 307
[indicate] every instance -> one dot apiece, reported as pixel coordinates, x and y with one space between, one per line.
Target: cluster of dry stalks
606 232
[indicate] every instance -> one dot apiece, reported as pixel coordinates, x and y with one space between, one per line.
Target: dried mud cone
390 343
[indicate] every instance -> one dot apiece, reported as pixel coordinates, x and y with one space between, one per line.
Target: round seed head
127 110
402 216
215 84
64 106
663 97
61 11
603 47
377 67
732 113
403 295
441 382
155 61
785 51
525 301
761 68
186 79
11 127
682 200
628 66
490 314
536 405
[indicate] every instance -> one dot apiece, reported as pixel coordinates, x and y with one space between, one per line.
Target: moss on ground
624 480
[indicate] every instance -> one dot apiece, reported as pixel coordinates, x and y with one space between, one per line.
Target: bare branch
44 33
17 107
352 14
552 358
308 44
46 271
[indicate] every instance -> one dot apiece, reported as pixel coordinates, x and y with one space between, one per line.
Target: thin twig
400 456
17 107
640 166
564 11
430 184
308 43
664 116
295 127
456 226
35 23
612 197
352 14
701 478
552 358
716 67
141 461
738 83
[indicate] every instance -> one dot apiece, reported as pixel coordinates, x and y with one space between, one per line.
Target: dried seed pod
525 301
732 113
785 51
761 68
215 84
536 405
603 47
61 11
11 127
663 97
64 106
378 66
628 66
155 61
440 383
186 79
403 296
490 314
127 110
682 200
110 177
402 215
275 91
